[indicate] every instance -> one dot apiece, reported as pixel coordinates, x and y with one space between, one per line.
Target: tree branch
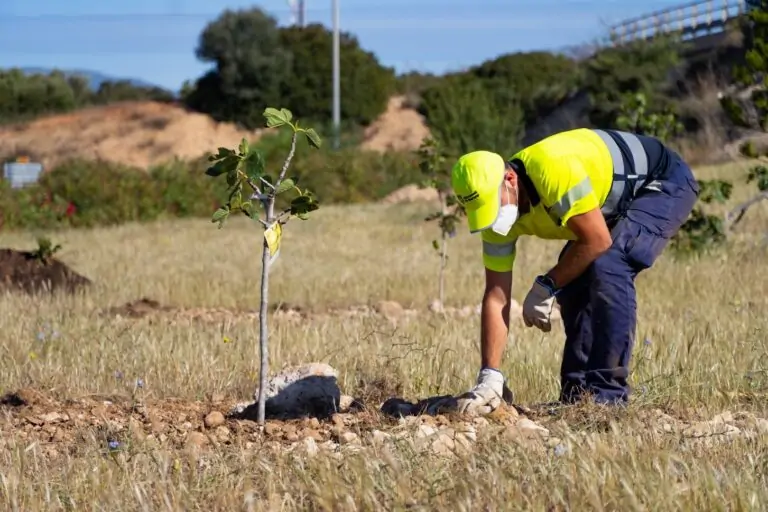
254 186
740 210
288 160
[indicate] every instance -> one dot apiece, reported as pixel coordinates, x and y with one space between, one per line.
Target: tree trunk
443 254
263 328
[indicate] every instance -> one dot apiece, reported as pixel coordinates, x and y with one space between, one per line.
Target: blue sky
154 40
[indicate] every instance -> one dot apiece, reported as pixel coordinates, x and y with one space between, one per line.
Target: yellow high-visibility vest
573 172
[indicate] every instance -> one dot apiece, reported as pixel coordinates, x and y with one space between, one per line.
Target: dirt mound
140 133
398 128
24 271
145 133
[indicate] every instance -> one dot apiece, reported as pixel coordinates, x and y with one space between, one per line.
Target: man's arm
494 320
593 239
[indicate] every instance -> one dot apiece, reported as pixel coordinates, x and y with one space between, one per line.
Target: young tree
438 175
245 172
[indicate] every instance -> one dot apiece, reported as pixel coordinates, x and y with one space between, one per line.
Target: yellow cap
476 180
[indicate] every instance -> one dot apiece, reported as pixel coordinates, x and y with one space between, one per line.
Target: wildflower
114 445
647 342
139 383
560 450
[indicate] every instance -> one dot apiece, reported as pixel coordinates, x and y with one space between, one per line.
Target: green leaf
220 216
223 153
302 216
253 165
313 138
286 114
243 146
223 166
436 245
303 204
277 117
232 178
236 202
285 185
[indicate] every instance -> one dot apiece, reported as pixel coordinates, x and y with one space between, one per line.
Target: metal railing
691 20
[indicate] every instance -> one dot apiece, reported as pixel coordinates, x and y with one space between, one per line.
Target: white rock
526 425
345 402
425 431
349 438
299 390
711 428
290 375
725 417
378 437
443 444
310 446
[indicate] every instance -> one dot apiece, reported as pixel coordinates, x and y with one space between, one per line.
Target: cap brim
483 217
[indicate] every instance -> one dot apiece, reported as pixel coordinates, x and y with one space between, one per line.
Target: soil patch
22 271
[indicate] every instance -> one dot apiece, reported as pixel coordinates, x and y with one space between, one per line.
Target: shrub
82 193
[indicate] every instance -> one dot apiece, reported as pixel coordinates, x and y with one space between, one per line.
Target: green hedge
83 193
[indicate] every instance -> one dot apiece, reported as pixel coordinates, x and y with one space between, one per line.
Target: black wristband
548 283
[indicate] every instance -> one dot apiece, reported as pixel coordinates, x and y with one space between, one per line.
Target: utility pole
301 8
298 10
336 76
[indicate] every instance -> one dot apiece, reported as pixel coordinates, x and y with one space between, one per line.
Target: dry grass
705 321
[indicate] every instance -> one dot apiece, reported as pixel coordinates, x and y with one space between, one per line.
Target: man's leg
575 311
652 219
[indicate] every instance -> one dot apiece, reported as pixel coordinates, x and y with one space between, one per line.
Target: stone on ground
298 391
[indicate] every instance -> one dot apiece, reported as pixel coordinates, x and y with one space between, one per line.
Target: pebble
214 419
196 439
349 438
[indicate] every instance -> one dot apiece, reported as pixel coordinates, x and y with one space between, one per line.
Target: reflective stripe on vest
499 250
636 180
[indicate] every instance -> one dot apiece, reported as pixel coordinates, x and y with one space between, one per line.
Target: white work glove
485 396
538 304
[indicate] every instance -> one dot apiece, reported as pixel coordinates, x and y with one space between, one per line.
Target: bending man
617 198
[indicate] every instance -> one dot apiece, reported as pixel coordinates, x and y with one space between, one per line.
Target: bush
82 193
464 115
25 96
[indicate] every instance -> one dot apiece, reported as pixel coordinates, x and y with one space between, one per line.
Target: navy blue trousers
599 307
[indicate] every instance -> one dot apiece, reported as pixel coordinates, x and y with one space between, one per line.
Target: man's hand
485 396
538 304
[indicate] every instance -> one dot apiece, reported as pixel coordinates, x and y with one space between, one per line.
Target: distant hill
94 77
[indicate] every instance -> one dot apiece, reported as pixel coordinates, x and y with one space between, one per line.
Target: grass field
702 351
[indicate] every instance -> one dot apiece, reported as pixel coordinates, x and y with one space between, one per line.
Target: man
617 198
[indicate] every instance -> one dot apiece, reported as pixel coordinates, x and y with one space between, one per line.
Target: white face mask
506 219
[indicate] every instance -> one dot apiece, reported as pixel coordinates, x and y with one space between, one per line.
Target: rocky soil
335 425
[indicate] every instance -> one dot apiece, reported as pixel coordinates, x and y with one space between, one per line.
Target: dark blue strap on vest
630 169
